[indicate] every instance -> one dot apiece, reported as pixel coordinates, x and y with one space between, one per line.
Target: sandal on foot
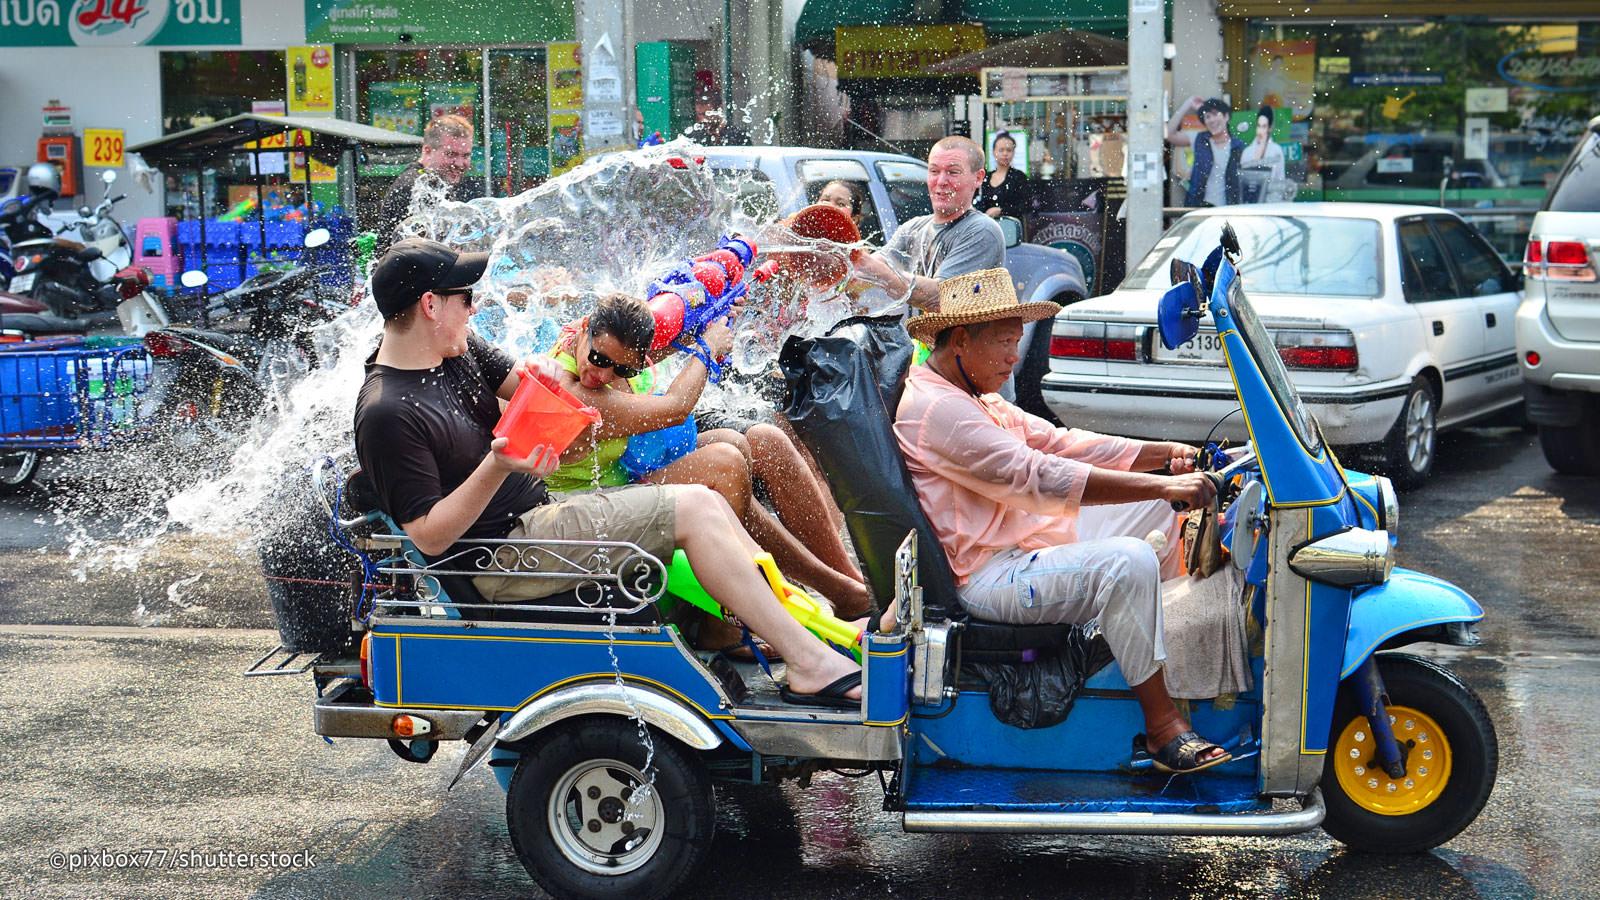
740 652
830 697
1181 755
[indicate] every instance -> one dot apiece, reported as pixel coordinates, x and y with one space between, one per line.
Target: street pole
1146 27
727 64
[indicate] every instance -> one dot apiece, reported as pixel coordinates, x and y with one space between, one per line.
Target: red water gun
699 291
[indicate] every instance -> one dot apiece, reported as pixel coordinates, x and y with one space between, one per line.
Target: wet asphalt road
126 738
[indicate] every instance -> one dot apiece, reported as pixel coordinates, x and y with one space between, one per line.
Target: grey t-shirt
943 250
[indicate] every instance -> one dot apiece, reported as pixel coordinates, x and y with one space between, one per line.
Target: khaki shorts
638 514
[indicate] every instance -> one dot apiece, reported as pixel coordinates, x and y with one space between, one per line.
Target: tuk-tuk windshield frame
1261 346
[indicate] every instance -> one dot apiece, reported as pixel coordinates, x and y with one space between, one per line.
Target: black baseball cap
1216 104
415 266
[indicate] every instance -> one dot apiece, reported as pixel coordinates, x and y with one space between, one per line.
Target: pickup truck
895 189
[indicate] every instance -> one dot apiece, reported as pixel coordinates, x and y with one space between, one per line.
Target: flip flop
1181 755
830 697
740 652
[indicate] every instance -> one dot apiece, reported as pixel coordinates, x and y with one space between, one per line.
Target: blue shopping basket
68 395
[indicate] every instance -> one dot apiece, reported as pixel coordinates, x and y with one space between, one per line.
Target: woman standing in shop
1004 192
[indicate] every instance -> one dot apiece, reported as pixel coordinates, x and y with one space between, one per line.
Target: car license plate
1204 348
23 283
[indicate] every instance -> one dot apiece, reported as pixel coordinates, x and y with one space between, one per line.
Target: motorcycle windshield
1265 353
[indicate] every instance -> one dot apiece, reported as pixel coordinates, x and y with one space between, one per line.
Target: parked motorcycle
88 283
255 343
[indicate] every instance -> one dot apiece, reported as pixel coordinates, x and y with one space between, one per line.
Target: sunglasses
601 361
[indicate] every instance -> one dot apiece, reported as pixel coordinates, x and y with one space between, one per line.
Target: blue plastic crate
37 396
286 235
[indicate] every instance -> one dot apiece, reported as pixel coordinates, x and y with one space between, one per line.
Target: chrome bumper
337 714
1306 818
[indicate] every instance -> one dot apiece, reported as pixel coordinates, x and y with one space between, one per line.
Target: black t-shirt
397 202
1011 196
421 432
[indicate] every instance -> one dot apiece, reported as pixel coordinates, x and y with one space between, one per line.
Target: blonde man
447 154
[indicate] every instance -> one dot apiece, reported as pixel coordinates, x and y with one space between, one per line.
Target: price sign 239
103 147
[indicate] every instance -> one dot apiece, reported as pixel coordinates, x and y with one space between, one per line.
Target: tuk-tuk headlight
1388 506
1349 558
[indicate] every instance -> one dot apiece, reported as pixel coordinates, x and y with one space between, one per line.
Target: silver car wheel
605 817
1421 431
17 469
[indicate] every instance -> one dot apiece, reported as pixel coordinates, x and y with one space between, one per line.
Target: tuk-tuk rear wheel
1434 712
17 470
584 825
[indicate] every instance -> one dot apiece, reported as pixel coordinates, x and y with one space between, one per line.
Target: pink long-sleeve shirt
991 477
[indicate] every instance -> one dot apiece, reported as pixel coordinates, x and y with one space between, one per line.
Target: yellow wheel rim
1425 749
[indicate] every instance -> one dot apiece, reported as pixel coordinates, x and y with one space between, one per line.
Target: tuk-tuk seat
460 589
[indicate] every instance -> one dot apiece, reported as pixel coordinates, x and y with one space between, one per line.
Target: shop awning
1053 49
1001 18
330 138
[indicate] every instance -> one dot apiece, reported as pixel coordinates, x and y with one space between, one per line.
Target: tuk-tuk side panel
1097 736
481 668
1407 601
1011 790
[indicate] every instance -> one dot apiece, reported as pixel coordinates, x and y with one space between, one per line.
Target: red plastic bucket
542 413
827 222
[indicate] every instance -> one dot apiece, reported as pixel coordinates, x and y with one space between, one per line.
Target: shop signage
902 51
432 22
1390 79
1560 73
118 23
309 73
102 147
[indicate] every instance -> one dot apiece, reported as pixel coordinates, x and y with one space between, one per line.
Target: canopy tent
330 138
1054 49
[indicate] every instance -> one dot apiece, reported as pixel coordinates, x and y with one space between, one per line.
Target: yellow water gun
808 612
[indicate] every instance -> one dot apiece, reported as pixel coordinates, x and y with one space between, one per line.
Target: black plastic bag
843 390
311 581
1040 693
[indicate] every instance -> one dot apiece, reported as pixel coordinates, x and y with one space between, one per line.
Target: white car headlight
1347 559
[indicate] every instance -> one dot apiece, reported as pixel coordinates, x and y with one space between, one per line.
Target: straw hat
985 296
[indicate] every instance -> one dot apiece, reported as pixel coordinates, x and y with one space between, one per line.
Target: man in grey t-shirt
954 240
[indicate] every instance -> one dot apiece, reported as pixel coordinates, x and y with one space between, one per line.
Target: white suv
1558 322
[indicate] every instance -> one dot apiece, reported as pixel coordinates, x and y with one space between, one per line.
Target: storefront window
201 87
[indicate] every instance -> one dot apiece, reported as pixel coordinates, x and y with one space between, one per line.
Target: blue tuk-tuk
608 729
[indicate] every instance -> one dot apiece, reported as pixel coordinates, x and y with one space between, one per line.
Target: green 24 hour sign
118 23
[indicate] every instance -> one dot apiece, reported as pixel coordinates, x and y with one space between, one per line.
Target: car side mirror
1011 229
193 278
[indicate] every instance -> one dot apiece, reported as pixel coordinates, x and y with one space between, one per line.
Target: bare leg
707 532
1162 721
834 513
722 466
799 497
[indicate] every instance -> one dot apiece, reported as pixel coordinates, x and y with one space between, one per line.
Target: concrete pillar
1146 116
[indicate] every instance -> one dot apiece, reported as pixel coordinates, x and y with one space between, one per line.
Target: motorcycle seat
998 637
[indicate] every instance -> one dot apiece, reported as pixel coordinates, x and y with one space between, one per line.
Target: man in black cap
424 434
1214 179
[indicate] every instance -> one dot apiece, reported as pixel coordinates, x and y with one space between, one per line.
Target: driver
1043 524
424 423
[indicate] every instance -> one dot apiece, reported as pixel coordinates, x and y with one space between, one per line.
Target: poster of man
1283 76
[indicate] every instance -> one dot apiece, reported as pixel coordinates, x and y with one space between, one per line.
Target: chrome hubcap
1420 431
605 817
16 467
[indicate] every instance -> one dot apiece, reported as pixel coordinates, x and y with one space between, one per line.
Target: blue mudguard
1408 600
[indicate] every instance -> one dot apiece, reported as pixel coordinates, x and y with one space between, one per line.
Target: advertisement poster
564 72
902 51
62 23
1283 75
453 98
271 163
1080 233
310 80
395 105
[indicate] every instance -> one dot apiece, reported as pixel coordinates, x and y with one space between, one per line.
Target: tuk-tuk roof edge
231 134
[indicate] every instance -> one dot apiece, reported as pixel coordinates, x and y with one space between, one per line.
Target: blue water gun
696 292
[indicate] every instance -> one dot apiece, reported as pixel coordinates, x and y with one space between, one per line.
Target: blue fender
1407 600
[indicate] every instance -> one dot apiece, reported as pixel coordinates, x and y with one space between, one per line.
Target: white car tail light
1334 350
1094 340
1558 260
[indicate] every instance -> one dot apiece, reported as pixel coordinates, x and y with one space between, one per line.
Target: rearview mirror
1011 228
316 237
1178 315
193 278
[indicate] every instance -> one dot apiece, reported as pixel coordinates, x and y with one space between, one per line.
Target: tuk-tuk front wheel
590 816
1450 752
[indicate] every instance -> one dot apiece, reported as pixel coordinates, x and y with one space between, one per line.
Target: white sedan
1394 322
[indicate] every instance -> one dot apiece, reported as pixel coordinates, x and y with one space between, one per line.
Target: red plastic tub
543 413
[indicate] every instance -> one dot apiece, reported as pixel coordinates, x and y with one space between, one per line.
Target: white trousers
1111 575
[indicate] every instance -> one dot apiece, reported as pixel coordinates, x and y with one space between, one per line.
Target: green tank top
600 468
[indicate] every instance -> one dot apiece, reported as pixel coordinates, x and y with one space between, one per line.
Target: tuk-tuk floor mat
1027 790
